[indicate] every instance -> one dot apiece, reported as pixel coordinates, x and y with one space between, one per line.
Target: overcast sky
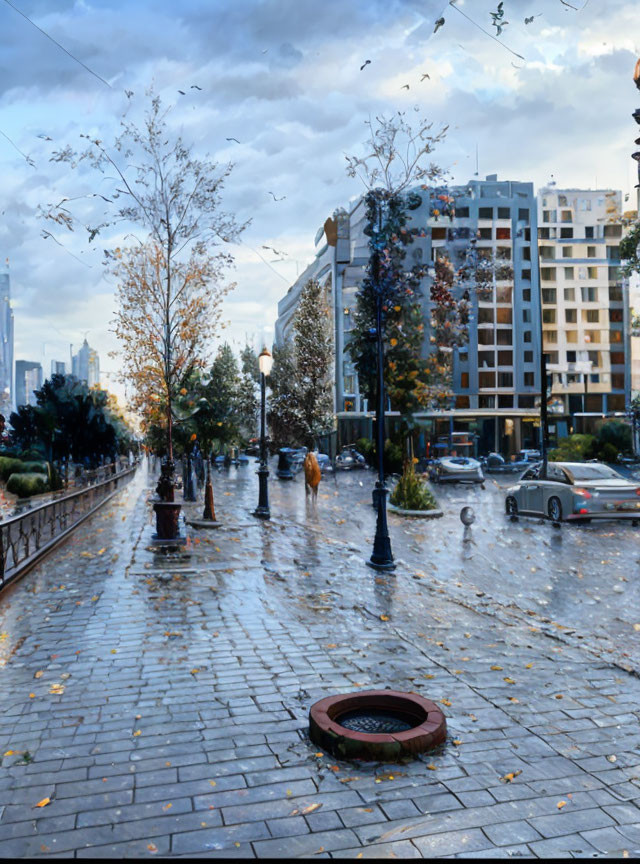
283 77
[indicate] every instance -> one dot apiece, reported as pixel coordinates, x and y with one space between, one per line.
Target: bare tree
169 290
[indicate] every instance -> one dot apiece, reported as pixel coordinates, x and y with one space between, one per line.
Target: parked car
253 447
350 458
456 469
575 491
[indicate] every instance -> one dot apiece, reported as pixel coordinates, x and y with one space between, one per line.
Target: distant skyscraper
86 365
6 344
28 379
58 368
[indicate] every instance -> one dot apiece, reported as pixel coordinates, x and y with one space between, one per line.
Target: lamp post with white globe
265 362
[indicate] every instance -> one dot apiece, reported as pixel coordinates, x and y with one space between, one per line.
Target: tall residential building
28 379
585 305
496 376
6 344
86 365
58 367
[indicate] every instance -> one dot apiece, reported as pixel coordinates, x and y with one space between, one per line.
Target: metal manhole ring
380 725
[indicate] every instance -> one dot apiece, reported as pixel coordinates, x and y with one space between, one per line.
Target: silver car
576 491
456 469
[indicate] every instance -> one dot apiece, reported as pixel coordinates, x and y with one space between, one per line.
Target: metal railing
28 536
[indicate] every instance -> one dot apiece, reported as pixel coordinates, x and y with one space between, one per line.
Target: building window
591 316
547 274
549 216
526 336
543 233
505 358
571 316
503 234
464 380
615 293
617 358
504 316
504 213
592 272
504 337
523 215
485 213
486 359
550 336
487 379
585 203
503 253
613 230
547 253
567 251
485 234
594 358
615 336
549 295
528 356
615 315
486 401
505 401
617 381
589 293
504 293
438 233
349 384
526 295
571 335
505 379
462 212
528 379
486 336
549 316
526 275
614 274
594 336
589 232
569 294
566 233
526 316
591 251
571 356
485 315
566 216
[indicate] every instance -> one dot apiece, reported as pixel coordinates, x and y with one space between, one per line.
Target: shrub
26 485
575 448
392 457
34 468
608 453
367 448
616 433
411 492
9 466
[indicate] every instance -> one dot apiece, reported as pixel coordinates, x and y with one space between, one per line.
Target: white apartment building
585 305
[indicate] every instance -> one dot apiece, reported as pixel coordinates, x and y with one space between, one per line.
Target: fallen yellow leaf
10 753
445 702
509 680
102 551
497 668
384 617
150 846
43 803
137 732
167 806
561 804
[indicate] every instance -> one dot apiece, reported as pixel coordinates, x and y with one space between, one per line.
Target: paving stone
570 822
288 827
452 843
510 833
324 821
306 845
218 839
399 809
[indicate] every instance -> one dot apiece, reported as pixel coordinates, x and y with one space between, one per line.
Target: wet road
580 578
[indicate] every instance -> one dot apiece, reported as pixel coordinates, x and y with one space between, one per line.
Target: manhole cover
381 725
373 721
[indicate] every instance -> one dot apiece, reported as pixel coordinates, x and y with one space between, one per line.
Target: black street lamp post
265 361
381 557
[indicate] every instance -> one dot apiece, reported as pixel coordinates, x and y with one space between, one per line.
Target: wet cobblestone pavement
160 702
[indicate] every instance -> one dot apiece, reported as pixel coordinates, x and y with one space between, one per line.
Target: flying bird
233 139
497 17
44 137
128 93
366 63
439 24
425 75
405 87
195 87
275 251
182 93
277 199
530 20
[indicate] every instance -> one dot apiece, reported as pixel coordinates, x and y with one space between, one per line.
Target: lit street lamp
265 362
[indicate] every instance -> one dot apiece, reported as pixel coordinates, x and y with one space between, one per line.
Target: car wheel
511 507
554 509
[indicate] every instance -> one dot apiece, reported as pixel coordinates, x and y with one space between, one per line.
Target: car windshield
593 472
